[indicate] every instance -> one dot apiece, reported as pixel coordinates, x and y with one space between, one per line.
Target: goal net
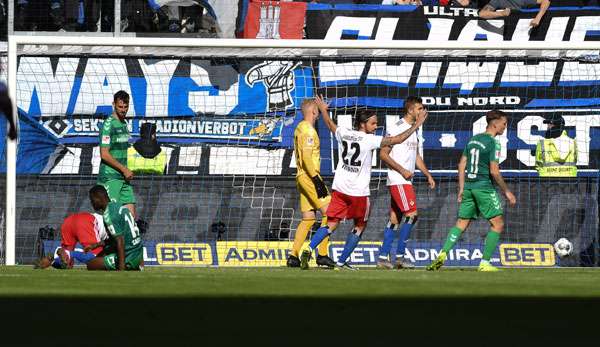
225 112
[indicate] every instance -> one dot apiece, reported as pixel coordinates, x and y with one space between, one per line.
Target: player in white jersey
350 197
401 160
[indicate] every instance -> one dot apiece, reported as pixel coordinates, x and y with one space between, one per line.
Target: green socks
491 241
453 236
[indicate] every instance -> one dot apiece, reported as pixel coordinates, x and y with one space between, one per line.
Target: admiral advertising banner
275 253
208 220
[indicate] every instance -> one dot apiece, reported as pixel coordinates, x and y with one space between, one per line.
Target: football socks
300 236
453 236
491 241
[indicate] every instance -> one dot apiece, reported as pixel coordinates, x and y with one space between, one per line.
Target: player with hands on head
311 188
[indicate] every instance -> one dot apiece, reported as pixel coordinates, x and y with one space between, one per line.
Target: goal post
251 171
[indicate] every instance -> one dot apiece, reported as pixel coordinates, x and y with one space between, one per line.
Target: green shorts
119 191
484 202
133 260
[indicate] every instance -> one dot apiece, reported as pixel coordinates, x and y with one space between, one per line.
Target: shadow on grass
296 321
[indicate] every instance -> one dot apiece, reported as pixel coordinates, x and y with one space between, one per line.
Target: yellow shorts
309 200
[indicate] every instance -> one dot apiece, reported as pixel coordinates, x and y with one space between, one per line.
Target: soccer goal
224 193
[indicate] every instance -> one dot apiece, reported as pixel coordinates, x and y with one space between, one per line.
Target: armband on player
320 187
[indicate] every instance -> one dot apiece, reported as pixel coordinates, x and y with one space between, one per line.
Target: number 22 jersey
353 172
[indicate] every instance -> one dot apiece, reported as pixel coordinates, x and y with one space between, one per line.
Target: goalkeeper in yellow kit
313 192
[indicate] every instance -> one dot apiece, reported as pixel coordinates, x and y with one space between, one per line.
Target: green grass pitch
279 306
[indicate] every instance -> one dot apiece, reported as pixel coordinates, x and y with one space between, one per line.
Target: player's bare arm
384 154
462 166
495 173
389 141
93 246
120 252
544 5
324 110
488 12
111 161
420 163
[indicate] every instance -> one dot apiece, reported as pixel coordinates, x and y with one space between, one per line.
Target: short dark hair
362 116
121 95
494 114
410 102
98 191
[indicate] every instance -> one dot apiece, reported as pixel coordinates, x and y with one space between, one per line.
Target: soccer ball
563 247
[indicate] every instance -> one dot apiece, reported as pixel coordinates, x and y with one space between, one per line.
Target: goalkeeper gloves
322 191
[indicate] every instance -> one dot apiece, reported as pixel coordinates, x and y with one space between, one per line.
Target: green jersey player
114 142
122 230
476 194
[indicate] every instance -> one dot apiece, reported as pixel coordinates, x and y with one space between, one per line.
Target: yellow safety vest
139 164
549 162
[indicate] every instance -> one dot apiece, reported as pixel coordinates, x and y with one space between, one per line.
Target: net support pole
11 160
117 19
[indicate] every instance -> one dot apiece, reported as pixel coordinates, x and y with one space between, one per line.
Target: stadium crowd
198 17
179 16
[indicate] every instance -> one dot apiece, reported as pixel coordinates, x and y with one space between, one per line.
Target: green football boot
487 267
438 262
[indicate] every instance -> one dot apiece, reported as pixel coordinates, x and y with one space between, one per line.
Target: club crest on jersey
278 78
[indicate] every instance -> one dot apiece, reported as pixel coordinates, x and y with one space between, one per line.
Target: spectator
489 11
57 13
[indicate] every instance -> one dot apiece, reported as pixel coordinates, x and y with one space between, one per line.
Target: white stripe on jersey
353 172
405 153
99 229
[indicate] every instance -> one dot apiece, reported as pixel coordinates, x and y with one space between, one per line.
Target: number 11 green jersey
480 151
